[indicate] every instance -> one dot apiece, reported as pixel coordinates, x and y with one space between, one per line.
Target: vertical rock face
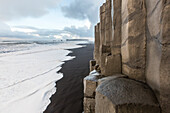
97 44
154 51
153 27
113 59
116 27
109 43
133 47
165 58
158 52
109 59
108 21
133 39
102 36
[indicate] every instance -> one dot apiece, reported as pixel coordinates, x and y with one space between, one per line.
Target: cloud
16 9
83 9
4 27
27 32
80 31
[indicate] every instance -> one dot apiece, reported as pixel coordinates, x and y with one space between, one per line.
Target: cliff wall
132 41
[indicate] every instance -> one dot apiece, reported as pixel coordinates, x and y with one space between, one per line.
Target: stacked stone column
112 60
97 44
133 48
165 58
132 44
102 36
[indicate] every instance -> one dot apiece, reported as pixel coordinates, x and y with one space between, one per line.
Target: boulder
123 95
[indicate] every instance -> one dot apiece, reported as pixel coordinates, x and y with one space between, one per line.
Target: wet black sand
69 95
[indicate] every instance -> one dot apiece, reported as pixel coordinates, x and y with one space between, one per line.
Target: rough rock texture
107 58
103 54
158 52
133 39
154 51
90 85
122 95
113 37
133 48
89 106
97 44
165 59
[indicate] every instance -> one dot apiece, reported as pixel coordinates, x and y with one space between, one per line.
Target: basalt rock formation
131 67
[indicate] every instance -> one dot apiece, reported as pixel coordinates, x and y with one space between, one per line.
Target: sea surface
28 72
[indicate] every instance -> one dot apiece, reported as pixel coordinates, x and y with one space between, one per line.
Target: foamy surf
28 76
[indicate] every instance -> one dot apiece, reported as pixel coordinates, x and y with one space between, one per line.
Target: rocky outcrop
122 95
133 46
165 58
132 39
90 85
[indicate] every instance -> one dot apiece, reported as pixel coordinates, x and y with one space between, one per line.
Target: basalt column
133 46
107 67
111 48
158 52
116 37
102 37
153 27
97 44
165 58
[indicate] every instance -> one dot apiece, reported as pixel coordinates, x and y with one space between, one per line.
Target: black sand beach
69 95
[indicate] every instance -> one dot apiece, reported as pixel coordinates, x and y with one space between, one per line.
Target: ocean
28 72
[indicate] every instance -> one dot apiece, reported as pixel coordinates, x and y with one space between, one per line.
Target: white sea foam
28 76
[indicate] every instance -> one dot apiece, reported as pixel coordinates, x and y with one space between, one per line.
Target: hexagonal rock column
123 95
165 59
102 36
133 47
113 24
97 44
90 84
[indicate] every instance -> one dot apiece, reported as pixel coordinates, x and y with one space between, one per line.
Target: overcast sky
33 19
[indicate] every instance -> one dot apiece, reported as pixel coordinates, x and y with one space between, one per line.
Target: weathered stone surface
102 22
122 95
133 39
165 59
110 62
108 23
153 58
92 65
97 44
158 52
89 105
102 35
111 77
137 108
116 28
90 84
133 48
112 65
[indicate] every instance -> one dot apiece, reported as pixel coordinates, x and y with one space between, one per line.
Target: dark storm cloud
83 9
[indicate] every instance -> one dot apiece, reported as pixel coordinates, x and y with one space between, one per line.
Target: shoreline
69 95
